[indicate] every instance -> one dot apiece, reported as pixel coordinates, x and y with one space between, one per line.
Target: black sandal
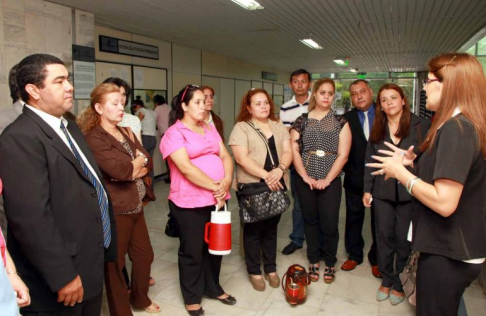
314 273
330 274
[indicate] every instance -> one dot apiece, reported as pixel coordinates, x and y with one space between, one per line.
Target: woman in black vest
394 123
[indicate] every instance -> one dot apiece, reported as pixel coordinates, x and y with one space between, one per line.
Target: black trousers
353 238
261 237
392 221
321 212
441 283
89 307
198 269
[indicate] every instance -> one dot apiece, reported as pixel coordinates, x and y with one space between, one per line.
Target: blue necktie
102 200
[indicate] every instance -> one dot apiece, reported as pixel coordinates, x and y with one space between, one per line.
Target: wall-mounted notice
123 47
84 72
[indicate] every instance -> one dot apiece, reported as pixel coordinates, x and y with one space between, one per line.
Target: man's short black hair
300 72
158 99
12 83
358 81
121 83
32 70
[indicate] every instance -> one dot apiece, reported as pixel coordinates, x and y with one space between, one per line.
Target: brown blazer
116 167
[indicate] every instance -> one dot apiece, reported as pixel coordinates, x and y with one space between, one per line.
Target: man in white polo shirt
289 112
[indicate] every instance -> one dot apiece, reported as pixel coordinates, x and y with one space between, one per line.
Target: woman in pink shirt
201 171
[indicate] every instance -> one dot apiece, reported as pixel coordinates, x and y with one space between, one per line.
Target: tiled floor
352 293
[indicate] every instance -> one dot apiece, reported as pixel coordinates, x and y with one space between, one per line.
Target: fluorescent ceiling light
309 42
248 4
353 70
341 62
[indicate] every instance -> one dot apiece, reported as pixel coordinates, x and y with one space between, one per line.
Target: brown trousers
133 239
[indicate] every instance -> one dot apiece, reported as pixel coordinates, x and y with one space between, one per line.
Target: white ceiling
378 35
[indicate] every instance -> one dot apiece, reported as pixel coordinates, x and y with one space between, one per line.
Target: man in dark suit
360 121
61 225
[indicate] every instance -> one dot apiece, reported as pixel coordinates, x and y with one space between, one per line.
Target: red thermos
294 284
217 233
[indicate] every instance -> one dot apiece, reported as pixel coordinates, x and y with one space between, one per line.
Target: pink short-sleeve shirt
203 151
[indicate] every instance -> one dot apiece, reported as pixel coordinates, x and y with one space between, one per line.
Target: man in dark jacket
360 121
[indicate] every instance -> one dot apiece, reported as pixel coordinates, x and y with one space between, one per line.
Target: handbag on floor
408 276
256 201
171 228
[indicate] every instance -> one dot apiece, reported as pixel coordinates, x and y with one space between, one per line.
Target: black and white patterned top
138 182
322 135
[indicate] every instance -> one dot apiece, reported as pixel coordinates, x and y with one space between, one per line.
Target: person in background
300 81
7 116
360 120
321 141
147 117
394 123
255 165
129 120
447 183
201 173
13 291
123 162
61 225
162 111
211 117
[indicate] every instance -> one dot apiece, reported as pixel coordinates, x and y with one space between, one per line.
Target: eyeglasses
427 81
187 87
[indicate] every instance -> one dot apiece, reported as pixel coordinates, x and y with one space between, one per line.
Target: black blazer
377 185
354 167
54 221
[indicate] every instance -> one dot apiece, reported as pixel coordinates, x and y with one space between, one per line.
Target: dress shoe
258 283
230 300
273 280
376 272
349 265
290 248
396 299
382 296
196 312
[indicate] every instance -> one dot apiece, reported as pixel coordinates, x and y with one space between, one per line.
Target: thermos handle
283 287
206 232
216 209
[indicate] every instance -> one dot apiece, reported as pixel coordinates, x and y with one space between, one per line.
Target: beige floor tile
335 305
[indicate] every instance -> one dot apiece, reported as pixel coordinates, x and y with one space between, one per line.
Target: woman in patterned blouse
123 163
321 141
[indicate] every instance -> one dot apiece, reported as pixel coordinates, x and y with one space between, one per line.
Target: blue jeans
297 235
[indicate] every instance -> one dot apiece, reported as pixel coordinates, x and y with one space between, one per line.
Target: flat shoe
230 300
257 283
349 265
395 300
154 308
381 296
197 312
290 248
273 280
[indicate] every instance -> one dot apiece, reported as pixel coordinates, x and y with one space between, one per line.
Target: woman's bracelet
412 183
408 182
12 272
281 166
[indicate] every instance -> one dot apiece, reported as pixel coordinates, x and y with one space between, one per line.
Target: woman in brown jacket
123 162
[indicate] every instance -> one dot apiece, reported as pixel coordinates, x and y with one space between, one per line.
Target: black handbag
256 201
171 228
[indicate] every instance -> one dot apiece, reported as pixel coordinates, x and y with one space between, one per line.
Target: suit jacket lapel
355 121
57 142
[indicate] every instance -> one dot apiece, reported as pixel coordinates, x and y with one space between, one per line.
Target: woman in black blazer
394 123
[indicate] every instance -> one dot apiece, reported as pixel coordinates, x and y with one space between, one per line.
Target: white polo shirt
291 110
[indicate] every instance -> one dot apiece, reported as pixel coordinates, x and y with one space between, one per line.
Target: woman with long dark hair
448 183
201 171
254 166
394 123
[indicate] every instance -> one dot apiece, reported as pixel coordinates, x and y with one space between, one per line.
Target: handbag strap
264 140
